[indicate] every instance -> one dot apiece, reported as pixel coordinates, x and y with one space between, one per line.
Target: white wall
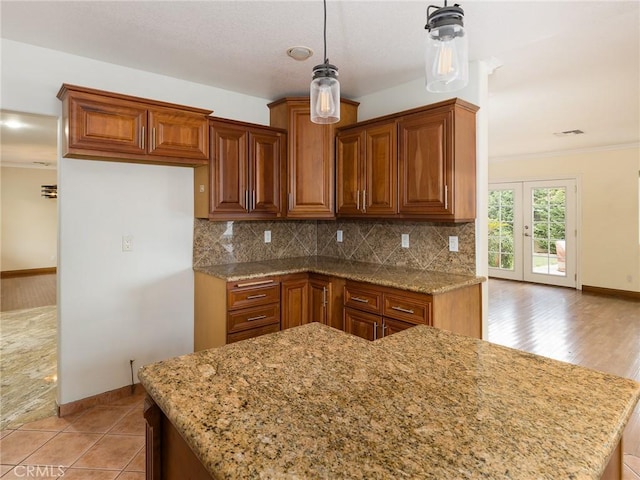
609 254
413 94
29 220
115 306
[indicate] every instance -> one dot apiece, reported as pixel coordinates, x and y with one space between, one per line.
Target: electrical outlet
201 188
405 240
127 243
267 236
453 244
339 236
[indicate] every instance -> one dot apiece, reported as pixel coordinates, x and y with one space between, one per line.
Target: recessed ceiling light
299 53
569 133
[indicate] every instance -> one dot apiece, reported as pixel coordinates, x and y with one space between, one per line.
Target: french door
532 231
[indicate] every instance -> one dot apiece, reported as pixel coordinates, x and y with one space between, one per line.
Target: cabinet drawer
252 293
253 317
362 298
254 332
409 309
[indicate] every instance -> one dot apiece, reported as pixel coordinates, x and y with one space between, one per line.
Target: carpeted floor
28 365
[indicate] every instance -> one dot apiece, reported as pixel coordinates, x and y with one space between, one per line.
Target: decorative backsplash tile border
217 243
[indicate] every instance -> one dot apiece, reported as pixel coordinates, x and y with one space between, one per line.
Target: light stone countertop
390 276
313 402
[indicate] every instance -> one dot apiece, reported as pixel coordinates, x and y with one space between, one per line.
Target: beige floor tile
5 468
88 474
98 419
138 462
40 472
64 449
18 445
54 424
111 452
131 476
133 423
5 432
137 399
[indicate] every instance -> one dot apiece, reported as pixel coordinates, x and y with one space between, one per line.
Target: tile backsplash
216 243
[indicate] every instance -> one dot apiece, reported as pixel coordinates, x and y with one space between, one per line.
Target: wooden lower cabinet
325 300
294 301
227 312
373 312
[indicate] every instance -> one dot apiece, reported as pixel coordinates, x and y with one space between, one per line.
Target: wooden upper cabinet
367 175
350 172
416 164
110 126
246 172
178 134
229 170
437 162
310 165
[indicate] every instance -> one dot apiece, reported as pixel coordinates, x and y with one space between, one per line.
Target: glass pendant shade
325 94
447 52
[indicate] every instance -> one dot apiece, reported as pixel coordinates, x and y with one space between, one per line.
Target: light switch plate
339 236
267 236
405 240
127 243
453 244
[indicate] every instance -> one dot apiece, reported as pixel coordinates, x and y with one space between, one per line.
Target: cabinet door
380 189
362 324
311 169
229 190
391 326
294 303
317 301
174 133
265 172
350 170
106 124
426 163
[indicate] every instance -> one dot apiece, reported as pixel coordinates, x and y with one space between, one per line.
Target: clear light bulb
324 105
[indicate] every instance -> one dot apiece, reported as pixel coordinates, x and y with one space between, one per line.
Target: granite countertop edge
405 278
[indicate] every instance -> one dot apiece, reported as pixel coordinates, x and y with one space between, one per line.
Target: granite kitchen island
315 402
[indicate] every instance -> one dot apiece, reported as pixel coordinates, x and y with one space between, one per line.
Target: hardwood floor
598 332
28 292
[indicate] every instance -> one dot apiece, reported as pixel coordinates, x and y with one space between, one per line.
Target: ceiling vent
569 133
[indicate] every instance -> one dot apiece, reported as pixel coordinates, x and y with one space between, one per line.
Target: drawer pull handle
259 317
253 284
404 310
253 297
361 300
375 330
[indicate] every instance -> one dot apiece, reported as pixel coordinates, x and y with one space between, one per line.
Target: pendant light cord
326 60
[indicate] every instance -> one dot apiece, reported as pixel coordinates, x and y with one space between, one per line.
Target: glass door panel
504 243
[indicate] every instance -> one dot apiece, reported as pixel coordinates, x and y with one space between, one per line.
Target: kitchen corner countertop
314 402
421 281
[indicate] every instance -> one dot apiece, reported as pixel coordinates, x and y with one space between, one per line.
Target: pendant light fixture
447 53
325 88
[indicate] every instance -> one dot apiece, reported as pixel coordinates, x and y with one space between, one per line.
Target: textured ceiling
567 65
